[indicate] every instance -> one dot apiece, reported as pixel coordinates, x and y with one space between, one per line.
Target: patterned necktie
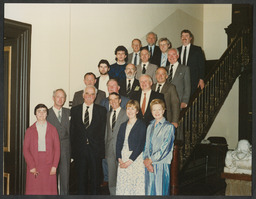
163 60
143 104
158 88
128 87
184 56
144 69
170 74
113 120
59 116
86 118
135 59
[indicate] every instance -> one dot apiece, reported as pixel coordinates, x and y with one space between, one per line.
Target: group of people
122 124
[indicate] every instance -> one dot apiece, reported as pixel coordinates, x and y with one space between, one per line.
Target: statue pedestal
238 184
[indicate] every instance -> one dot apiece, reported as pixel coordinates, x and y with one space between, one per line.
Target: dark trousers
88 173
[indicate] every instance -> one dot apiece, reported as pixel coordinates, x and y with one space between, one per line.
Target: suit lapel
177 72
54 116
165 87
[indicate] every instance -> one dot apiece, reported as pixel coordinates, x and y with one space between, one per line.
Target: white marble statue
240 159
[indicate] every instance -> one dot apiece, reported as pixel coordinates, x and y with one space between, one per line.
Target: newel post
175 170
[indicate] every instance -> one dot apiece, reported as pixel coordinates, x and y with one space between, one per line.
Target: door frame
17 34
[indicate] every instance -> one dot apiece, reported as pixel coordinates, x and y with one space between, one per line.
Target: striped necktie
170 74
86 118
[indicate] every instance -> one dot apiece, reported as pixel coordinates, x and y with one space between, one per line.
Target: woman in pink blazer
41 150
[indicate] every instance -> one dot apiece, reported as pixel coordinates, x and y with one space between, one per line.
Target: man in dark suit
102 80
164 45
170 95
130 84
134 57
113 86
144 97
59 117
87 133
89 79
155 52
179 75
114 119
146 67
193 57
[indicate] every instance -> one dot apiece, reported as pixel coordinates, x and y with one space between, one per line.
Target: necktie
128 87
135 59
144 69
59 116
184 56
86 118
163 60
150 50
170 74
143 104
158 88
113 120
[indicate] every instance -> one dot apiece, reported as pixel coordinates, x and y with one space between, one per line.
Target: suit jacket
130 58
151 70
105 102
136 139
155 59
196 64
123 86
181 80
111 137
78 97
63 131
95 133
147 117
171 100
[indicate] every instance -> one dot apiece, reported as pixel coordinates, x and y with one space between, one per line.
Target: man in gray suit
89 79
170 95
179 75
114 119
134 57
59 117
146 67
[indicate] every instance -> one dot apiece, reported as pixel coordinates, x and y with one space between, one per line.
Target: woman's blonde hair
157 101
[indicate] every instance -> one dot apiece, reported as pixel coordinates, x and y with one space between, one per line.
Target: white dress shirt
146 65
182 53
56 111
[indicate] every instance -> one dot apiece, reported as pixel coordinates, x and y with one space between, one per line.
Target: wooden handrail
204 105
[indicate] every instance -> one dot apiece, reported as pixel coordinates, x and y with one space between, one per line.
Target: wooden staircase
197 118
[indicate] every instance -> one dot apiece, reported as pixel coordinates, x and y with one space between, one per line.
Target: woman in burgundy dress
41 150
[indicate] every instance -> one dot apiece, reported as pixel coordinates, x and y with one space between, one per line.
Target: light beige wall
50 48
68 40
216 18
226 122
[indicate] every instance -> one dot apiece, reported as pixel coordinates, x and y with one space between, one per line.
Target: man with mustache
130 84
193 57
